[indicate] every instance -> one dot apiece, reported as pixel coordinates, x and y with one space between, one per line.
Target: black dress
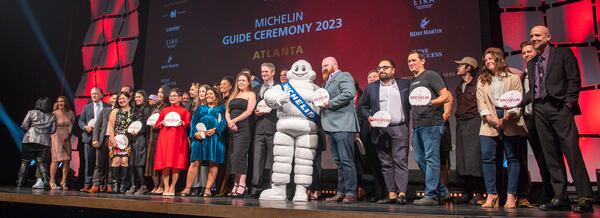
238 162
140 144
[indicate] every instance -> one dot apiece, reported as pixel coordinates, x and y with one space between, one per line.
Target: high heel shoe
159 191
511 201
495 203
64 187
186 192
242 194
207 193
53 186
233 193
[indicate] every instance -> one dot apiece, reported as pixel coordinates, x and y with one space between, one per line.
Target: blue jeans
426 149
342 149
488 156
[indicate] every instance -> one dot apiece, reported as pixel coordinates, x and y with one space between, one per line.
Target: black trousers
524 175
559 136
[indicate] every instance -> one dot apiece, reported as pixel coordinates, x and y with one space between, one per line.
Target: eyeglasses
383 68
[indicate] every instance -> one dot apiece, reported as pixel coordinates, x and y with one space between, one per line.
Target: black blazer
369 104
267 123
562 82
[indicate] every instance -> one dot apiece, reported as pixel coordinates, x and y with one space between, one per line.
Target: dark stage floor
224 207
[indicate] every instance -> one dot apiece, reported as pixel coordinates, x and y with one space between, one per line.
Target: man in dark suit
100 143
391 95
554 90
90 111
338 118
264 130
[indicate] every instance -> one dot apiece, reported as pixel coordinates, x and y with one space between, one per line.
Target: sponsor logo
168 82
170 63
425 30
430 54
174 13
424 23
171 43
423 4
172 29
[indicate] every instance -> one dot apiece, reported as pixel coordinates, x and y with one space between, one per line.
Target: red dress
172 142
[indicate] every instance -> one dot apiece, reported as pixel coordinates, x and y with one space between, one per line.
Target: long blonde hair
236 89
486 74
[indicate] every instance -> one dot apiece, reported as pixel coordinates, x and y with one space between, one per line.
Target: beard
326 74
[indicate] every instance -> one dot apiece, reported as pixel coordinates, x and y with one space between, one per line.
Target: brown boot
85 188
93 189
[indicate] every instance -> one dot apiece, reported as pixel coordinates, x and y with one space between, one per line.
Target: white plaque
92 123
510 99
172 119
321 96
419 96
152 119
134 127
122 141
263 107
381 119
201 129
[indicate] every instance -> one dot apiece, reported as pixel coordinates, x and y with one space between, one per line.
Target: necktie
539 80
265 87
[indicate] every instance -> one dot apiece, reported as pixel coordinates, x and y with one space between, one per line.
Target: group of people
237 139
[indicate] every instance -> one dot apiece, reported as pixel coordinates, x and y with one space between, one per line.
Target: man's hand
258 113
95 144
89 129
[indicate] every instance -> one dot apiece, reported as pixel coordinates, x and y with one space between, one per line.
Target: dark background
27 72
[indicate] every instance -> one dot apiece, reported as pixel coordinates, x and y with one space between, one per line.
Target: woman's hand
210 132
111 141
230 123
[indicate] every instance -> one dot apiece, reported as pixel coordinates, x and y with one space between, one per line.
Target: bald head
540 36
329 65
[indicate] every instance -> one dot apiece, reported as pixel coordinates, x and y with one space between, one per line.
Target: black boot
45 175
123 179
114 177
22 172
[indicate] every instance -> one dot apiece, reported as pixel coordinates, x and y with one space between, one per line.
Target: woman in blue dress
208 147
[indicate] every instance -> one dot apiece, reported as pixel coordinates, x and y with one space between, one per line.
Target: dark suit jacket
369 104
562 79
101 125
267 123
86 115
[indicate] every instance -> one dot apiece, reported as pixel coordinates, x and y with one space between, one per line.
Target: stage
29 202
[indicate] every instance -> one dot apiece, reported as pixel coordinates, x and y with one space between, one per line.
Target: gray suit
99 134
341 114
341 125
89 152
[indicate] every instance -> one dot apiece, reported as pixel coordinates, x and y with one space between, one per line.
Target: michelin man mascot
296 136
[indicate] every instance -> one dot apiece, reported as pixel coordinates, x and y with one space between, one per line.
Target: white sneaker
39 184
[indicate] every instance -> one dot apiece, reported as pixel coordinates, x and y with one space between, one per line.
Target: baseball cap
468 60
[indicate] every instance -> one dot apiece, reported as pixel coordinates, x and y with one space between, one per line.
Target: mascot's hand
275 98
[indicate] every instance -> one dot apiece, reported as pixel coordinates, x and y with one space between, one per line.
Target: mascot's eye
296 69
303 68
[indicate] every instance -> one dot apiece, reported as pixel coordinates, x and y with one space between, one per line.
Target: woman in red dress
172 144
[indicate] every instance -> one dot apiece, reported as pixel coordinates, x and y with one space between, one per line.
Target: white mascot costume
295 139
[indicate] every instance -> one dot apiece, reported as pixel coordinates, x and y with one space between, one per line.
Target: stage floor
224 207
